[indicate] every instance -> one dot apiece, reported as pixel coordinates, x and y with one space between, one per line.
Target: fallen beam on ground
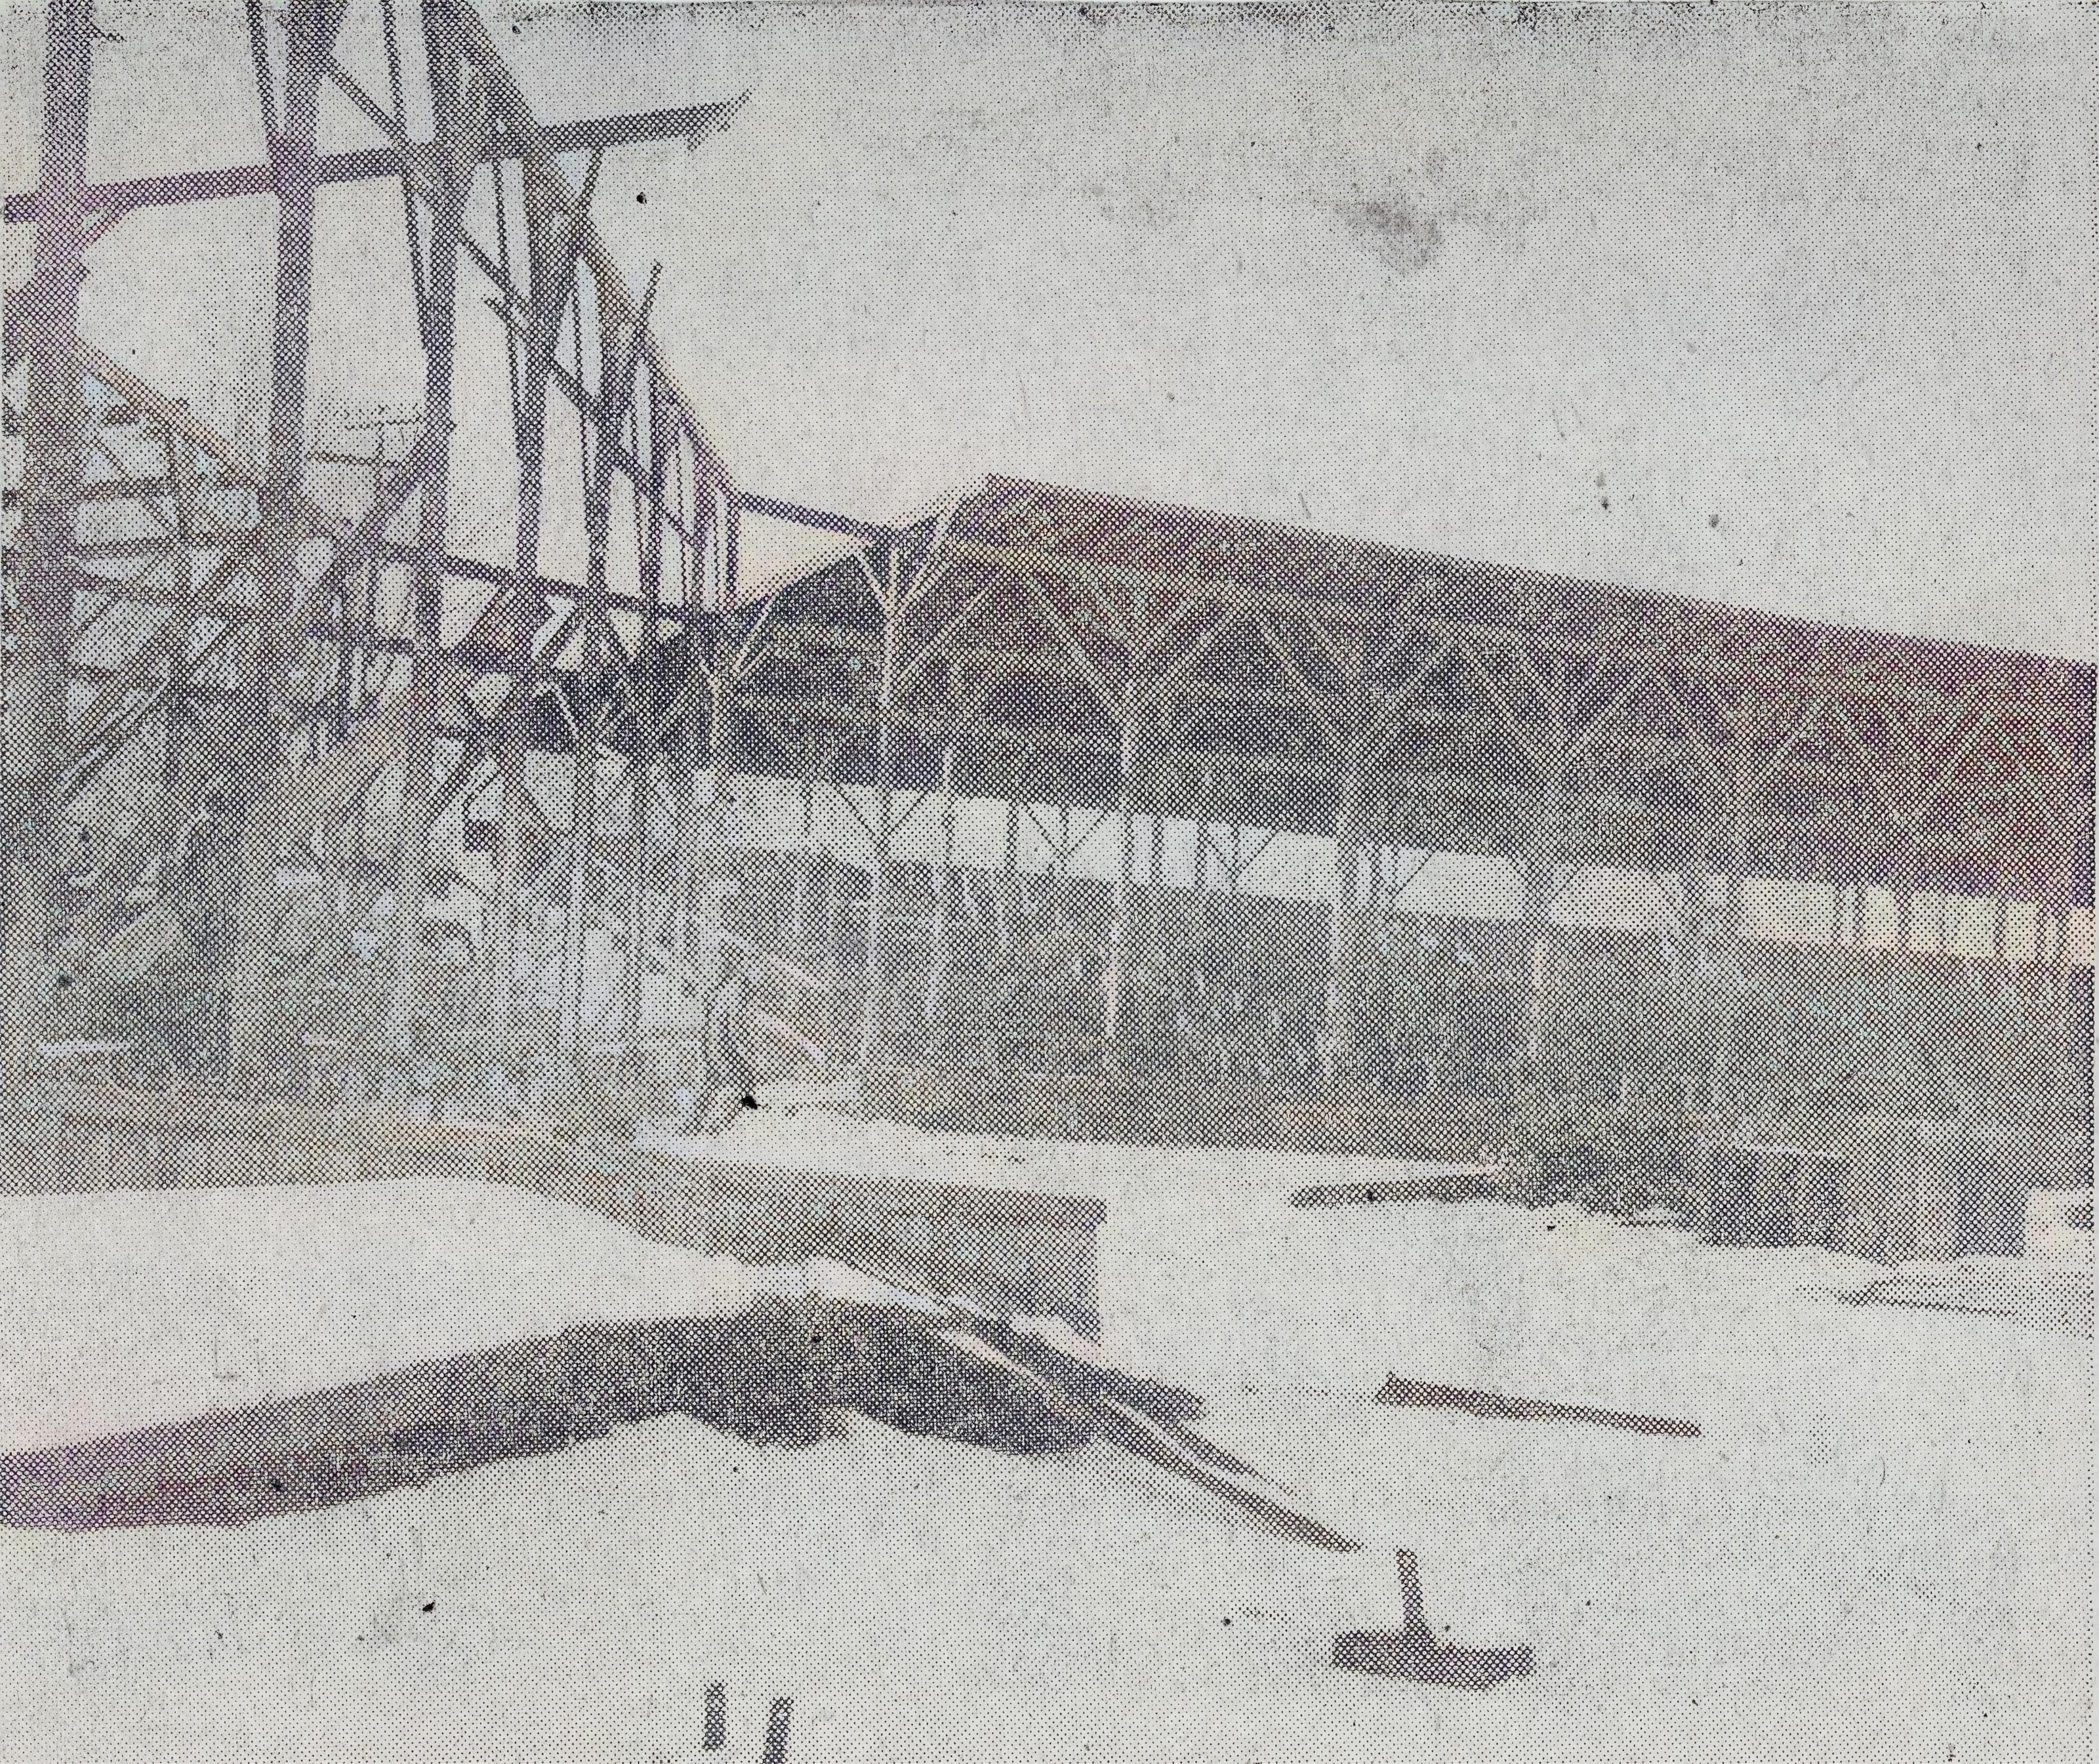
1462 1182
1494 1406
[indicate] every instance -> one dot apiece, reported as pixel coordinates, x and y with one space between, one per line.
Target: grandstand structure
1045 784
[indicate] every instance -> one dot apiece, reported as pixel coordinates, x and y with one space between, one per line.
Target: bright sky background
1792 308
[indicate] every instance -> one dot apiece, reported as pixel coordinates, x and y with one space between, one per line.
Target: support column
871 1037
694 801
940 1013
1160 932
1009 892
798 931
279 659
1343 928
1114 979
180 770
441 316
2060 891
835 958
1538 877
541 325
1704 1029
702 837
1060 871
1155 886
640 790
583 782
720 823
1205 822
54 451
310 30
647 735
614 387
1726 939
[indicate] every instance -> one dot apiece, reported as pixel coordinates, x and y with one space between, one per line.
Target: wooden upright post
646 735
54 452
797 932
938 986
1342 930
512 732
1009 884
1114 979
279 659
411 883
871 1037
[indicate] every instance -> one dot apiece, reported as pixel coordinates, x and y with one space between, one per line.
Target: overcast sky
1789 308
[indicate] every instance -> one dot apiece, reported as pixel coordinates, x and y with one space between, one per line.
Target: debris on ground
2050 1295
1417 1652
778 1371
1495 1405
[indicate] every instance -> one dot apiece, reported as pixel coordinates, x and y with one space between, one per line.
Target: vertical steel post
310 29
1538 876
583 780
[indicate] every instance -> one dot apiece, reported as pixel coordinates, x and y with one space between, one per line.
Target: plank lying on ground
776 1372
1166 1443
1459 1183
1413 1393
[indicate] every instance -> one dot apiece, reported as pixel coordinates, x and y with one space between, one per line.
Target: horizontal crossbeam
364 165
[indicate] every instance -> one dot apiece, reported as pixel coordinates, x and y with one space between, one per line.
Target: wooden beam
370 164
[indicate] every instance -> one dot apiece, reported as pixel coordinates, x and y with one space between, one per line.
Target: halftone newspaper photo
1024 882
